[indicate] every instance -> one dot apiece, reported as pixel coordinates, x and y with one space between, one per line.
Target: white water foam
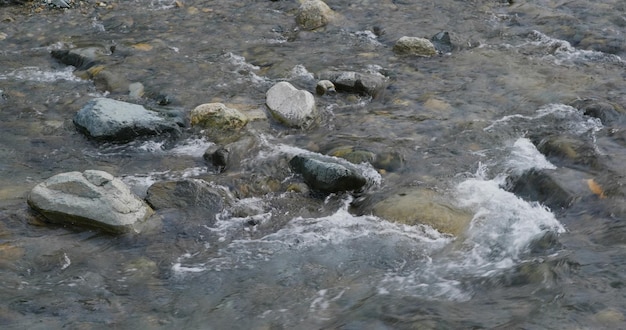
33 73
243 68
563 53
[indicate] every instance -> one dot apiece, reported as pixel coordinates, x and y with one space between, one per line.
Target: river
461 123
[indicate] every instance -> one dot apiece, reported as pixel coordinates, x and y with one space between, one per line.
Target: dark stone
608 113
568 150
354 82
442 42
217 156
185 194
79 61
556 189
327 176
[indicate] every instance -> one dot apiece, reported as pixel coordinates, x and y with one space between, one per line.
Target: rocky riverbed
340 164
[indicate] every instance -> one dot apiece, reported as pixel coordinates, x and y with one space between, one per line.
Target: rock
354 82
229 156
414 46
108 81
568 150
609 114
442 42
107 119
314 14
93 199
423 206
290 106
135 90
185 194
325 87
556 189
81 59
327 175
218 116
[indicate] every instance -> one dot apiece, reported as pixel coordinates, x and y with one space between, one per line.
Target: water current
461 123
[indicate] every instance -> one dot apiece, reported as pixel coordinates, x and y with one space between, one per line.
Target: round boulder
314 14
218 116
93 199
415 46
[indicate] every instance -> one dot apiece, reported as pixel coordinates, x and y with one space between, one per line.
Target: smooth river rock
92 199
423 206
217 116
326 175
291 106
185 193
111 120
314 14
415 46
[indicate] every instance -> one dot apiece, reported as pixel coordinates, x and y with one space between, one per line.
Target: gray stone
184 194
415 46
355 82
229 156
325 87
442 42
218 116
314 14
107 119
327 175
291 106
608 113
135 90
93 199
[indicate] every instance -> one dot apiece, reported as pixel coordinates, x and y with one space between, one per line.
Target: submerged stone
93 199
183 194
355 82
423 206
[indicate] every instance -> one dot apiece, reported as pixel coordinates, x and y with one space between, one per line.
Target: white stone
291 106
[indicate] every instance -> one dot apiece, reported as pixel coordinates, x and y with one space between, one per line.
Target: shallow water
461 123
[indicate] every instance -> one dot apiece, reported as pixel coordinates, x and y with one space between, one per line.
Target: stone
608 113
414 46
135 90
325 87
81 59
327 175
107 119
314 14
291 106
426 207
229 156
442 42
557 189
568 150
92 199
184 194
355 82
217 116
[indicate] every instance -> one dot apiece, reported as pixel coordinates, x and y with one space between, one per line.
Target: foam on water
33 73
563 53
525 156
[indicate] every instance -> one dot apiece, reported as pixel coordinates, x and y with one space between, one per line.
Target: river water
459 123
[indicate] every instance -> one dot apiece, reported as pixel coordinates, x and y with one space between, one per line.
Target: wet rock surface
94 199
291 106
107 119
327 176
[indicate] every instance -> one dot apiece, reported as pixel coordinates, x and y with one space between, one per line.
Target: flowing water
461 123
